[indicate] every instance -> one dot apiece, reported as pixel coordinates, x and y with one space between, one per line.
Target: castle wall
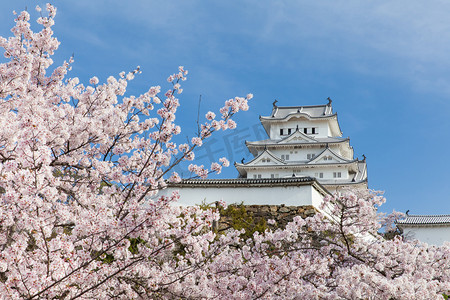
301 195
327 173
322 127
433 235
281 214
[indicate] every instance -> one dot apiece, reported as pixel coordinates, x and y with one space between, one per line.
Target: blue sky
385 64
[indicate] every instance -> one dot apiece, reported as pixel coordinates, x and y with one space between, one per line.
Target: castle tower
305 141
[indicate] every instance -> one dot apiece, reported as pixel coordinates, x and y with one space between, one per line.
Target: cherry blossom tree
336 254
80 165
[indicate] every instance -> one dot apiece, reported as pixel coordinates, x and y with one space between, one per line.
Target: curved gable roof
327 151
265 154
295 114
297 135
312 111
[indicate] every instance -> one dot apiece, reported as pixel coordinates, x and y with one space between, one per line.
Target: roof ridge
440 215
298 106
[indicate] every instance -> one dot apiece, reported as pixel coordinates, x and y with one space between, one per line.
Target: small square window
259 176
281 131
310 156
305 130
337 174
320 175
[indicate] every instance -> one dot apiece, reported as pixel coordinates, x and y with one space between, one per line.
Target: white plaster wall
430 235
301 154
312 172
277 195
323 127
267 173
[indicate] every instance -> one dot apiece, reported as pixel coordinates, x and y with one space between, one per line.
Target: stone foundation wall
257 213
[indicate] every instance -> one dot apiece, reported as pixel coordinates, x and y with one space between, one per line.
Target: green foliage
106 258
237 217
134 242
109 258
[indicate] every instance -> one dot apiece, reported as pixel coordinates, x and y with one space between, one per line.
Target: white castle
304 159
305 141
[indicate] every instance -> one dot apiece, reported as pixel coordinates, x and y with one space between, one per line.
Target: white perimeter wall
277 195
431 235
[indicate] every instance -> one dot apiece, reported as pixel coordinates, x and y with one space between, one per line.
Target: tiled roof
425 220
313 111
270 142
247 182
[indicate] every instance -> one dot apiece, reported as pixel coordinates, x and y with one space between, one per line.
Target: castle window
320 175
289 130
337 174
314 130
259 176
305 130
310 155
